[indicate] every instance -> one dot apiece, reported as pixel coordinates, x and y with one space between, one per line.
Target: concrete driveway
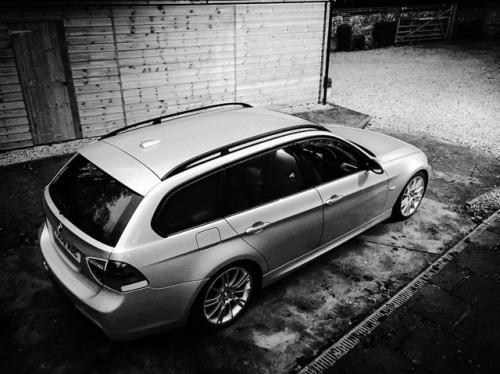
288 324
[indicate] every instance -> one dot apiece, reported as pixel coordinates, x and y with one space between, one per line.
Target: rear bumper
122 316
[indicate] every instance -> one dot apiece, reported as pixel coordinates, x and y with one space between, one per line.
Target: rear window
93 201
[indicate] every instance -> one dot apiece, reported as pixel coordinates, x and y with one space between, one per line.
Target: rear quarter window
190 206
93 201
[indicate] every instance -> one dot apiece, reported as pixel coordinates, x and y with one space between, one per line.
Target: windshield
93 201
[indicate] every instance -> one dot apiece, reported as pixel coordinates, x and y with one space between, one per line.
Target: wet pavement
459 174
290 322
451 325
21 189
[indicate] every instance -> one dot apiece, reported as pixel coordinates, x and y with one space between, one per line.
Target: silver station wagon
184 217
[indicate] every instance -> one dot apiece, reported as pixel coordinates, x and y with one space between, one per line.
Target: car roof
164 147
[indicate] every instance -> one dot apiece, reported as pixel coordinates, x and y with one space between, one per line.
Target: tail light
118 276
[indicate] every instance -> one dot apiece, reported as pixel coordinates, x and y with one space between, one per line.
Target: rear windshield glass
93 201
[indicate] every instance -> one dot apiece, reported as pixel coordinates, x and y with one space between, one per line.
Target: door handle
257 227
333 199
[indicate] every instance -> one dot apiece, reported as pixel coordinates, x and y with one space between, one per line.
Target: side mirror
374 166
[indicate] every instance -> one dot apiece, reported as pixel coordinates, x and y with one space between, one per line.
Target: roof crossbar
225 150
158 120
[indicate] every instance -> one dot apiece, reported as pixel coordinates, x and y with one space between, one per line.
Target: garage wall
174 58
134 62
14 125
94 67
279 52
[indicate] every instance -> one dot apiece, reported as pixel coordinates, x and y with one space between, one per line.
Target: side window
236 197
190 206
271 176
330 159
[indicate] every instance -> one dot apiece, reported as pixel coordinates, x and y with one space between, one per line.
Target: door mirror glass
374 166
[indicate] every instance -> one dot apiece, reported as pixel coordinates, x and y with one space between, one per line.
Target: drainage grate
364 328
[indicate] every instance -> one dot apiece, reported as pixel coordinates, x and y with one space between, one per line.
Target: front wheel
225 297
411 197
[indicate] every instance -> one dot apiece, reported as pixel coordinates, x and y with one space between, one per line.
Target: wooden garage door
46 80
279 52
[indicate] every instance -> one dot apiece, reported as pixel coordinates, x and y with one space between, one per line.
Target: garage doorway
42 61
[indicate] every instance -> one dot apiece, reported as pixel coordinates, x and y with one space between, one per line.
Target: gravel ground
450 91
42 151
482 207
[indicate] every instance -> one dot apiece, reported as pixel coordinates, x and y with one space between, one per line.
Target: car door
272 208
351 194
195 236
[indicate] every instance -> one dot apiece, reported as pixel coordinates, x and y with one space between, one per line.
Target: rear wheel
411 197
225 297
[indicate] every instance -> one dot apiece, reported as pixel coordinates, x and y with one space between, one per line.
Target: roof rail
222 151
157 120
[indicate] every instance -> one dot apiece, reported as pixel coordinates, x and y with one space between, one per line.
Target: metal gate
411 30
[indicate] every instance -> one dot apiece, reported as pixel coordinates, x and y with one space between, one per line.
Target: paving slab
480 291
450 277
416 345
483 256
396 328
380 359
480 327
425 347
438 306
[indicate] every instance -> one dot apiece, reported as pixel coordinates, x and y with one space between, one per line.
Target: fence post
397 30
451 21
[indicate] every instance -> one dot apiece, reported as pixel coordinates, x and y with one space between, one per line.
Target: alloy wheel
227 296
412 196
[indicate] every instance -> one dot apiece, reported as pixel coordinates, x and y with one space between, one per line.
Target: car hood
384 147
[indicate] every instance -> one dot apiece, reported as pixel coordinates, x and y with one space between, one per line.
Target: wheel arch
249 264
397 215
401 170
426 175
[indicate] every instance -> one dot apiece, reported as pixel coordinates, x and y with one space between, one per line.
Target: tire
410 198
225 297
